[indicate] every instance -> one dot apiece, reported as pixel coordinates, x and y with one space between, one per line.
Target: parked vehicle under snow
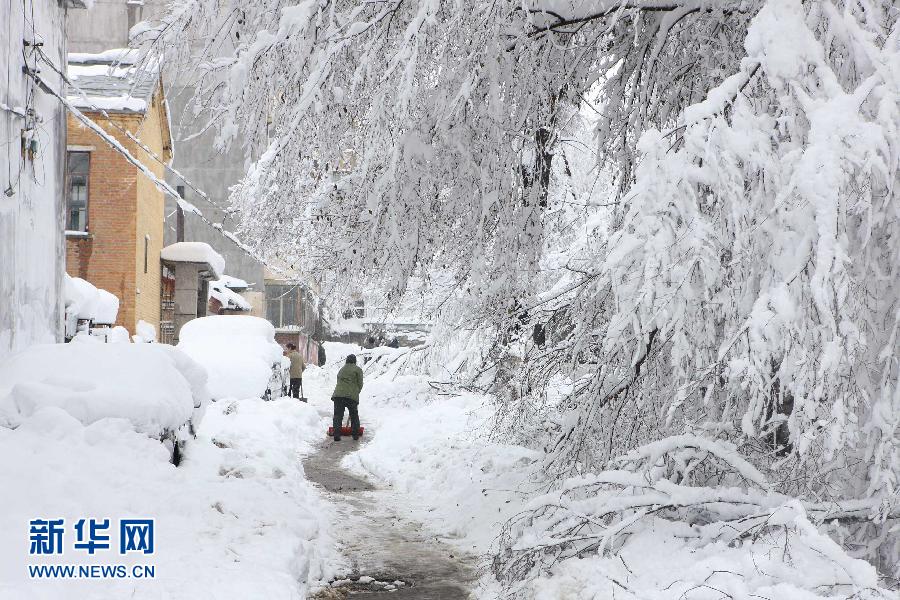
240 355
156 388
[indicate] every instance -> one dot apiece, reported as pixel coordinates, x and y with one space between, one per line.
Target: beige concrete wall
150 218
257 301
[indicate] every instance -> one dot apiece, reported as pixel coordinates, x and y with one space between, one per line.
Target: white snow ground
237 519
433 451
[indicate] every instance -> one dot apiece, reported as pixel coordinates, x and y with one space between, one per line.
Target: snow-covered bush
158 389
693 488
238 352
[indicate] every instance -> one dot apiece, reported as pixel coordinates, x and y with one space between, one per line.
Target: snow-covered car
156 388
239 353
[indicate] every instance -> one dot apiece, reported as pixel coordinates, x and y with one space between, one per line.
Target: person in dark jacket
346 395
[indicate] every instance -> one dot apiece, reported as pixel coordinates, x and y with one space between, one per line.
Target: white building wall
32 244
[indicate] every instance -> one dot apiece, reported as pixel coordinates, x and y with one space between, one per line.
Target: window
78 166
146 251
281 305
290 306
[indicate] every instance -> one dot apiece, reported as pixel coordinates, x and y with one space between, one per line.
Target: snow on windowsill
71 233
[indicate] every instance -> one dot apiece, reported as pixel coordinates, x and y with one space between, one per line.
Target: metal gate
167 306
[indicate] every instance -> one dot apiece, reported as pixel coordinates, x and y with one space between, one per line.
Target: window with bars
291 306
78 167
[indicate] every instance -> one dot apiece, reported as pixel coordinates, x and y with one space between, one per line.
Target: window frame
87 193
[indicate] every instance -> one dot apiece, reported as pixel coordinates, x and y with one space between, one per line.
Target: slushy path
380 544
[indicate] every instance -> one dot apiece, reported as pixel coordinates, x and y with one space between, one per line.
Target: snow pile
85 301
156 388
146 333
81 297
228 298
107 308
235 520
194 252
111 335
237 351
676 561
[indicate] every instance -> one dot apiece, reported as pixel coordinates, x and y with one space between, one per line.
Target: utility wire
116 145
131 136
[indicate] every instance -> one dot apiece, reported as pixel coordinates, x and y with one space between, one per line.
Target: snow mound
194 252
237 351
236 519
158 389
86 301
107 308
146 332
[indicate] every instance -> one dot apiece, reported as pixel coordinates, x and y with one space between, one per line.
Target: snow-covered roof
121 56
114 80
194 252
234 283
228 298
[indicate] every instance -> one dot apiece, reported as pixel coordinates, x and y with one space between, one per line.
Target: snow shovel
302 397
346 429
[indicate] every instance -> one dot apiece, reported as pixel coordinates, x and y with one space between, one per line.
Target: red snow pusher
346 429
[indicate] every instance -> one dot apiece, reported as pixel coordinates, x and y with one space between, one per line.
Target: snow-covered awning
233 283
194 252
228 298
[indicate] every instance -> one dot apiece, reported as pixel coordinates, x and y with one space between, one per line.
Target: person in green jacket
346 395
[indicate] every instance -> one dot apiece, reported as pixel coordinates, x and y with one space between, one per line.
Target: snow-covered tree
744 286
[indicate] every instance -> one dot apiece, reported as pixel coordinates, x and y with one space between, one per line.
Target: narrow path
379 543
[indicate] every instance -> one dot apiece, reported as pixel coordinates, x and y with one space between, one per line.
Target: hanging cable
163 186
131 136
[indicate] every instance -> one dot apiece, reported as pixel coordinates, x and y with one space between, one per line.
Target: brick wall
123 208
106 256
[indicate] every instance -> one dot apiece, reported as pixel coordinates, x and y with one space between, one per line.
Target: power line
116 145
